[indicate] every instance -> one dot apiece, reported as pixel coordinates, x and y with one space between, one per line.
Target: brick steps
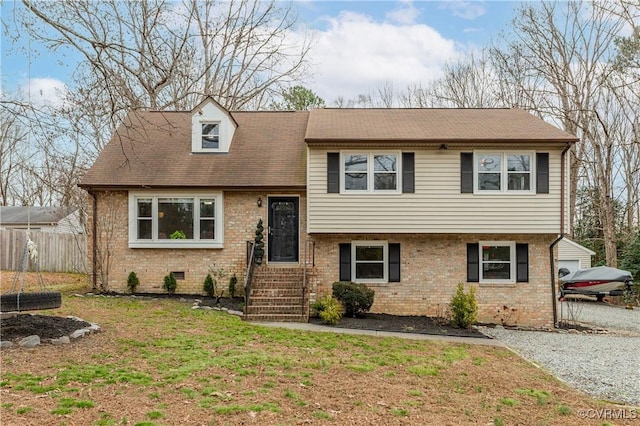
271 300
278 318
276 295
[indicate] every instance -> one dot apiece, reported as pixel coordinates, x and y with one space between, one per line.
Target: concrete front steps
276 295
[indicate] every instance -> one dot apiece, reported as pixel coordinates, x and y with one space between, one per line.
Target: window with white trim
210 135
504 172
371 172
497 261
175 220
370 261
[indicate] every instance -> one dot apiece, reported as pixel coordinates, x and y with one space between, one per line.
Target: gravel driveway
604 365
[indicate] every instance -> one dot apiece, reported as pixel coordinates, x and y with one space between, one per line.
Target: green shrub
209 286
329 309
232 286
132 282
464 307
170 283
356 298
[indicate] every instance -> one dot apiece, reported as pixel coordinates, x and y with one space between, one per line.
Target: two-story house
410 202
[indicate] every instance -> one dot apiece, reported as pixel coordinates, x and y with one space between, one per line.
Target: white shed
573 256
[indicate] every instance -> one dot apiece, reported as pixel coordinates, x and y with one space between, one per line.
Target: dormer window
212 128
210 135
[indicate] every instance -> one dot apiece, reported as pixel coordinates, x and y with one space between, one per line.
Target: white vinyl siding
437 206
568 250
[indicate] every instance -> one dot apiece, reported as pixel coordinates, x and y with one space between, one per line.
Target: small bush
232 286
209 286
356 298
132 282
464 307
329 309
170 283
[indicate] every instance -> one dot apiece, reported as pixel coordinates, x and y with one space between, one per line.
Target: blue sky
358 45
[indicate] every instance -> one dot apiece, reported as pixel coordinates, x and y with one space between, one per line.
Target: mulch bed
403 324
45 326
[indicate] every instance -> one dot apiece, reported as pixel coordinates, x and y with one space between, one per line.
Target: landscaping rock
64 340
79 333
30 341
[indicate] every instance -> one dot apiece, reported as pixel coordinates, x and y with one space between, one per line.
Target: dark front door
283 229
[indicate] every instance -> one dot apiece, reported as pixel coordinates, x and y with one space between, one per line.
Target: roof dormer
212 127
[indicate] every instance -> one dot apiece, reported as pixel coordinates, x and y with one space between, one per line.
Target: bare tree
11 135
568 48
468 83
138 54
162 55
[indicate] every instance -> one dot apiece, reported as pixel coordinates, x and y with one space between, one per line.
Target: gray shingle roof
438 125
153 149
18 215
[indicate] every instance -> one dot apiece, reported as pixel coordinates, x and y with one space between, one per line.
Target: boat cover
598 273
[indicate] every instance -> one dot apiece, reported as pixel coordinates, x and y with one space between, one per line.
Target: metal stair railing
248 278
309 254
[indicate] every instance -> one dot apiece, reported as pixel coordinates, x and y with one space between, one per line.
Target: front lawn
159 362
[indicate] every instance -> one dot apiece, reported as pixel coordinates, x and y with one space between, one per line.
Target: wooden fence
56 252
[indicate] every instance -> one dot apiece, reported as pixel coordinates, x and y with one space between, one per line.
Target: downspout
94 247
561 236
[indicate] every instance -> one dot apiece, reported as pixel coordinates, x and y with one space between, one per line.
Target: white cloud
465 9
355 54
45 92
406 13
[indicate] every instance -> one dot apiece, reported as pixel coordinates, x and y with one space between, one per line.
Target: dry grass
161 362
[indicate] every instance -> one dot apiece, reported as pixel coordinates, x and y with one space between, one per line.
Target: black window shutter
542 173
522 263
473 263
466 172
394 262
333 172
345 262
408 172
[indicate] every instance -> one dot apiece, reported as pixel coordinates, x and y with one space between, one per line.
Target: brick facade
433 265
241 213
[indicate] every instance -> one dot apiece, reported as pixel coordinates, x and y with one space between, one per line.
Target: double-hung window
370 260
371 172
504 172
210 135
175 220
497 261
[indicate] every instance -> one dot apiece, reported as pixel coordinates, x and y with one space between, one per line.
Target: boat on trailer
598 281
